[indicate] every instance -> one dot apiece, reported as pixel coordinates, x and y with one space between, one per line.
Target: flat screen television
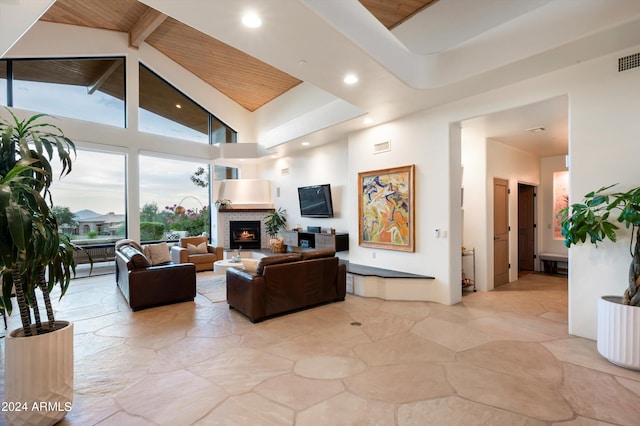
315 201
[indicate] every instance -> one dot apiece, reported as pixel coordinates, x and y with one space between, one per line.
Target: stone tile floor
498 358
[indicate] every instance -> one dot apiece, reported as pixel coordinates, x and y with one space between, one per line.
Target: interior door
526 227
500 232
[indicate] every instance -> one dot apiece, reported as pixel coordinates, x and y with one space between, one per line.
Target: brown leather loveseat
145 285
286 282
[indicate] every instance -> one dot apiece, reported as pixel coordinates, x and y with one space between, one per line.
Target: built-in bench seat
353 268
387 284
550 262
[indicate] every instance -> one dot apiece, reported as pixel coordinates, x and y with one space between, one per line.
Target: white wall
604 138
548 165
604 130
475 232
325 164
422 140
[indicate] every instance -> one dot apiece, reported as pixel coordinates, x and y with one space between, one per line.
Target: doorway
495 145
526 228
500 232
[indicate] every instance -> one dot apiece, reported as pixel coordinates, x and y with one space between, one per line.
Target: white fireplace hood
246 193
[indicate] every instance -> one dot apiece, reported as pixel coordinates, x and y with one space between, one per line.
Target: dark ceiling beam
147 24
103 77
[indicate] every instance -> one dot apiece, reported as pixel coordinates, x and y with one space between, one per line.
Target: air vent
629 62
382 147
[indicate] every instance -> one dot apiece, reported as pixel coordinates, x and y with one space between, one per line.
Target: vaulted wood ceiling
243 78
248 81
392 13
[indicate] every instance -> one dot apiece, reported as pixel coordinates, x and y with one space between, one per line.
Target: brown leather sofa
186 252
287 282
144 285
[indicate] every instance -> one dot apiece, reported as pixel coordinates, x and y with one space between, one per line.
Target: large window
164 110
3 83
174 199
221 133
90 202
93 89
86 89
224 172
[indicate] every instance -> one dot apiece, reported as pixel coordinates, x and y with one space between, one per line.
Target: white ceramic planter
38 376
619 332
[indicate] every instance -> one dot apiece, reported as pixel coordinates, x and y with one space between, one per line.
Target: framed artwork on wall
386 208
560 200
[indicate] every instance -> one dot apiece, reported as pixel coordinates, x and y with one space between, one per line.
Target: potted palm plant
274 223
34 256
595 220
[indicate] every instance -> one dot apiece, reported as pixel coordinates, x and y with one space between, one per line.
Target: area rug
212 286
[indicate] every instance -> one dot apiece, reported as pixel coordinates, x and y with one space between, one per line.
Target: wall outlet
373 254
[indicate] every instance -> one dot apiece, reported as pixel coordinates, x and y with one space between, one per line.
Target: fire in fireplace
245 233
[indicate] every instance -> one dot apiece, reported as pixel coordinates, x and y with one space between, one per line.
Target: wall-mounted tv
315 201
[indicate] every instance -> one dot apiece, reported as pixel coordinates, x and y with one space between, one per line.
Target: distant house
103 224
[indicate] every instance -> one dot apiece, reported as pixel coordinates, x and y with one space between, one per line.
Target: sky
97 181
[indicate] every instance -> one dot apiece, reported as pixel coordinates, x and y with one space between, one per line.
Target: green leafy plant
33 254
194 221
595 220
275 222
151 231
222 203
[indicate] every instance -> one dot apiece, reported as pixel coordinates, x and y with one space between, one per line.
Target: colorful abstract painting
560 201
386 208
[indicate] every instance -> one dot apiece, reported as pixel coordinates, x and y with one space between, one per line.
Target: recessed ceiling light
350 79
536 129
368 120
251 20
305 144
178 106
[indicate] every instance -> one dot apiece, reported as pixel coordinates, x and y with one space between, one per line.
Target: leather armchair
187 252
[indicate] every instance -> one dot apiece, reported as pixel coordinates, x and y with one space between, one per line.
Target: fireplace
245 233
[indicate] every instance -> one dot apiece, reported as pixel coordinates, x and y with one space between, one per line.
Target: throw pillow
128 242
250 265
157 253
138 259
197 249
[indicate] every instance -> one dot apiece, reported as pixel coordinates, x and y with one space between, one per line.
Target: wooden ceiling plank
243 78
392 13
117 15
147 24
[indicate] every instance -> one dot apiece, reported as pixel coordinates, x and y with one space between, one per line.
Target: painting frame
386 208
